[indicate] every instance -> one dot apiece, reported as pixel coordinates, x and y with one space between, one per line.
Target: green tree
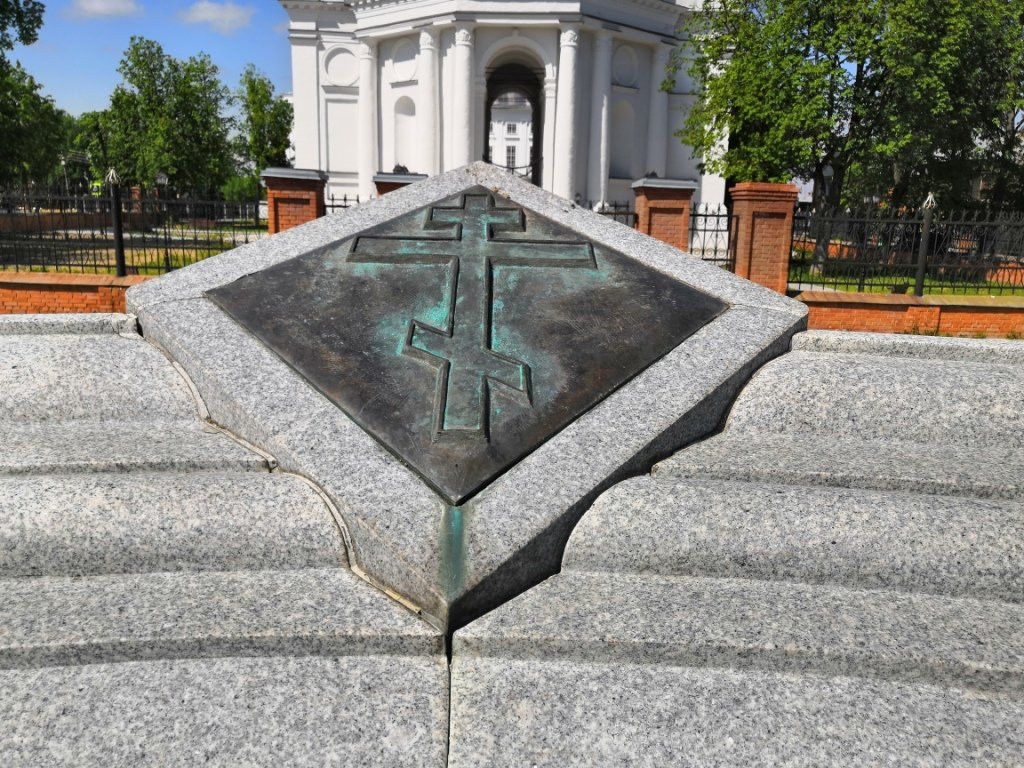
168 116
19 22
32 129
895 93
266 123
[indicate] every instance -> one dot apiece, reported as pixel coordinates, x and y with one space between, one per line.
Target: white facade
380 83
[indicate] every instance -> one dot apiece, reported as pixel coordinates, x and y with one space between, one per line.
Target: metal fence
339 203
713 234
924 251
619 211
149 236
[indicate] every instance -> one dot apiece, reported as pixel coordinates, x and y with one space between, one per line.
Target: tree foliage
168 116
19 22
33 130
266 123
897 97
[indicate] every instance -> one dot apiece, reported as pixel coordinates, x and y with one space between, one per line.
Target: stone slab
903 345
55 621
120 447
84 323
868 539
867 397
105 377
566 714
105 523
315 711
821 460
753 624
458 561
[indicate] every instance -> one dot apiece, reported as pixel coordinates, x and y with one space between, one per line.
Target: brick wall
38 292
990 316
294 197
663 212
764 230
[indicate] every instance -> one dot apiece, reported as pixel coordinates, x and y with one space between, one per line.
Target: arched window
621 141
406 150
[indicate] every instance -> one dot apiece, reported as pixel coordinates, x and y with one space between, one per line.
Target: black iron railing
340 203
713 234
919 252
49 233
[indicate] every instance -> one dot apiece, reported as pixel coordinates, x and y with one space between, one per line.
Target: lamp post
115 190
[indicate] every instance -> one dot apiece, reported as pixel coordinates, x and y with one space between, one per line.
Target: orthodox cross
470 240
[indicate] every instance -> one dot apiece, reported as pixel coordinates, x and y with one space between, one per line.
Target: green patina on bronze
465 334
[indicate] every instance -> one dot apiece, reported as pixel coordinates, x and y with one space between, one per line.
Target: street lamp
827 173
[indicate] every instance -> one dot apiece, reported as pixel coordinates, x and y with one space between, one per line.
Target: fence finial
112 177
929 202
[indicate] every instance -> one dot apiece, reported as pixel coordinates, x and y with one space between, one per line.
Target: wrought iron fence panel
50 233
920 251
713 234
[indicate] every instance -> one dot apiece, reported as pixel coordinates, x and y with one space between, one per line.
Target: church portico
379 83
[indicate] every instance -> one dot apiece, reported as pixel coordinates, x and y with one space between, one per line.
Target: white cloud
91 9
226 17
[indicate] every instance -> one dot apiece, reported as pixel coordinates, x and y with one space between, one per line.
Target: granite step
120 446
59 621
95 377
106 523
263 712
879 398
912 346
860 538
69 323
579 714
779 627
822 460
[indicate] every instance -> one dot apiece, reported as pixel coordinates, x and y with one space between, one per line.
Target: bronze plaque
465 334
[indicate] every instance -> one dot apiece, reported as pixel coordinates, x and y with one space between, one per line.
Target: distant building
568 93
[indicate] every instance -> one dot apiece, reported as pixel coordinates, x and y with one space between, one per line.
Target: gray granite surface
1009 351
58 377
53 620
120 447
561 714
102 523
757 624
85 323
316 711
912 542
458 562
967 403
819 459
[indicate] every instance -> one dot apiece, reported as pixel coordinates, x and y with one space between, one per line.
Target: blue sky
81 42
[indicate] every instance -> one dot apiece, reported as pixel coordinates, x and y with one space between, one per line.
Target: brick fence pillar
663 209
389 182
764 231
294 196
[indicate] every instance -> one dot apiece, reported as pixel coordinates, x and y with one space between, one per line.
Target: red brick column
389 182
764 231
663 209
294 196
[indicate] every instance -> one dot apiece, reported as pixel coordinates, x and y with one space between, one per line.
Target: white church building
567 92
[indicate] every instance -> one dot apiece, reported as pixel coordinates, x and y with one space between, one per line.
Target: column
462 140
369 155
764 231
430 150
657 126
548 150
600 105
306 98
565 114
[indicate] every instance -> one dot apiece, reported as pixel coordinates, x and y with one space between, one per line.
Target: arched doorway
513 120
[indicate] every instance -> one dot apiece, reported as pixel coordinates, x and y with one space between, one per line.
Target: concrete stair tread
315 711
867 397
578 714
770 626
120 447
105 523
48 621
95 377
853 537
821 459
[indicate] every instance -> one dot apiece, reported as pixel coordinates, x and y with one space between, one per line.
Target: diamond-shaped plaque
465 334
